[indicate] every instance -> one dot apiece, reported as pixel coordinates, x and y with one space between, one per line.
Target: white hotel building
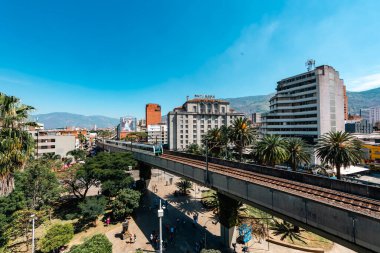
190 122
307 105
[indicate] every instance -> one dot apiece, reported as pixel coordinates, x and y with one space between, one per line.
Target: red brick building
152 114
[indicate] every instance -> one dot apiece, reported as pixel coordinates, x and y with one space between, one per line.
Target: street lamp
207 178
160 213
33 216
204 226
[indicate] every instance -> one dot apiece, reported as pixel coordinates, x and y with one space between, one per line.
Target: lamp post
33 216
207 178
204 226
160 213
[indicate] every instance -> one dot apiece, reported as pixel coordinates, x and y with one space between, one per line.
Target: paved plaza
179 217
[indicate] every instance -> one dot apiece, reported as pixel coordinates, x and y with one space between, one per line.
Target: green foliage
145 171
286 229
111 169
210 251
79 178
184 185
228 210
125 202
16 144
195 149
39 185
96 244
78 154
340 149
297 152
57 236
271 150
92 207
242 134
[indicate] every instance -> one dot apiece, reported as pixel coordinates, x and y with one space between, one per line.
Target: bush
92 208
96 244
57 236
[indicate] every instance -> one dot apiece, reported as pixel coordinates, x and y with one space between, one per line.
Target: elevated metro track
346 213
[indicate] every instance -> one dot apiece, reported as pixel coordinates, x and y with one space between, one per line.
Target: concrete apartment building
307 105
157 134
50 141
152 114
188 123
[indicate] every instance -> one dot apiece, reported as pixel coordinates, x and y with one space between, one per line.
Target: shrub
57 236
96 244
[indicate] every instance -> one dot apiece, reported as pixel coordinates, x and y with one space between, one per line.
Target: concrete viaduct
334 209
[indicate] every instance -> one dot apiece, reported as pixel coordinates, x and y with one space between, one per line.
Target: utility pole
33 216
160 216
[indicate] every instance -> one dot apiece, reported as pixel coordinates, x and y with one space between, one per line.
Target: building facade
362 126
256 119
152 114
307 105
50 141
374 115
157 134
345 103
188 123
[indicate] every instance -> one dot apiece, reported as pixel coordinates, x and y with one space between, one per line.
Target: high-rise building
158 134
306 105
188 123
362 126
345 103
256 118
374 115
152 114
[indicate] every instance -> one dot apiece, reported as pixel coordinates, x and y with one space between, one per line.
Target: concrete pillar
145 172
228 235
228 217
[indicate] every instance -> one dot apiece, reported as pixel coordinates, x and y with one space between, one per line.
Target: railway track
343 200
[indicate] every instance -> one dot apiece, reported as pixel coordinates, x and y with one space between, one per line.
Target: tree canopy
57 236
125 202
96 244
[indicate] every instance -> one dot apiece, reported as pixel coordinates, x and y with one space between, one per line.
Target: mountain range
356 101
247 105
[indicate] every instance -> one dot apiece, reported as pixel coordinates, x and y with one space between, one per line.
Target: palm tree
50 156
340 149
271 150
286 229
16 145
242 134
194 149
297 153
184 185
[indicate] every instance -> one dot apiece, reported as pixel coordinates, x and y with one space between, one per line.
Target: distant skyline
111 58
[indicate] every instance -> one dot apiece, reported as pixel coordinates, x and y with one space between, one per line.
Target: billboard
128 124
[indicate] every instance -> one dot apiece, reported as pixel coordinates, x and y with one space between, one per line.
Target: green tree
96 244
125 202
78 154
78 179
242 134
297 152
228 210
57 236
16 144
271 150
92 207
112 170
184 185
194 148
39 185
340 149
50 156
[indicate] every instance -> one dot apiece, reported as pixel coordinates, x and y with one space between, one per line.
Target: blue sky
112 57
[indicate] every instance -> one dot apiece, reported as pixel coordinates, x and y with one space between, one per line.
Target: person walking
134 238
108 221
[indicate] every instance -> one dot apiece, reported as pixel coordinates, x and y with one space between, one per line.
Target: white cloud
365 82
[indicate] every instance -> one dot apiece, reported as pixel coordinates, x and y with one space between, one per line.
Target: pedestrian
130 238
108 221
134 238
151 238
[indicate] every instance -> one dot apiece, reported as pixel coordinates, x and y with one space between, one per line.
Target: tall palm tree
213 141
297 152
16 144
271 150
242 134
78 154
339 149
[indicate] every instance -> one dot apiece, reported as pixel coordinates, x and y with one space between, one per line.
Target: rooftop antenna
310 64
